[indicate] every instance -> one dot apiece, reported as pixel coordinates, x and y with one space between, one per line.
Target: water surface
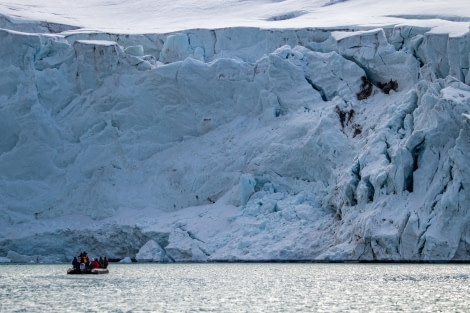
238 288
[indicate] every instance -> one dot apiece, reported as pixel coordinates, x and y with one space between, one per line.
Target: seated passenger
85 259
75 263
95 263
82 268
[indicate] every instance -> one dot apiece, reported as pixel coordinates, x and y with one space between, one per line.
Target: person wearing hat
85 259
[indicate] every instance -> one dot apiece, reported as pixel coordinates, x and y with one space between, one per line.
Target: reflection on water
238 288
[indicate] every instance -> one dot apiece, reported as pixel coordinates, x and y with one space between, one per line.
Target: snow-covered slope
238 130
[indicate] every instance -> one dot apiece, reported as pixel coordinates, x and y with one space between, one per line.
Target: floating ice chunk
151 252
126 260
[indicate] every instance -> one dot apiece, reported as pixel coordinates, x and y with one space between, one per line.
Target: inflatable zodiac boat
88 271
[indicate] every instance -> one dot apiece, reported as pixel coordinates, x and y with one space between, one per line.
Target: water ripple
237 288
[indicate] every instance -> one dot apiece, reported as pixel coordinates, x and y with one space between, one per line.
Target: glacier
238 143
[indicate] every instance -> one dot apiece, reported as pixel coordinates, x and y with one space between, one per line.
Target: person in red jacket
95 263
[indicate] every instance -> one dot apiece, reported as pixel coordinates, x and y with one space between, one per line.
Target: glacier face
235 144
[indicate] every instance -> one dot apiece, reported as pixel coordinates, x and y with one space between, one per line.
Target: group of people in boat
83 263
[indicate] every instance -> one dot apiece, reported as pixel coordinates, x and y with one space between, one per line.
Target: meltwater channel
238 287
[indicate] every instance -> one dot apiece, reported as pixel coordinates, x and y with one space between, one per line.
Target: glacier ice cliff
234 144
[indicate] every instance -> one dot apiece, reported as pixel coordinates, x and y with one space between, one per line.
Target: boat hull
92 271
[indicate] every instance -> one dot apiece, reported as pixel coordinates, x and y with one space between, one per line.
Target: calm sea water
238 288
